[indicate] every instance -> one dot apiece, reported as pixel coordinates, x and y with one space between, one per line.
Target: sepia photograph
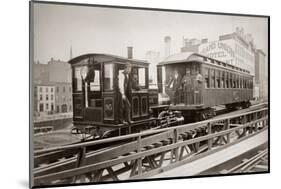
124 94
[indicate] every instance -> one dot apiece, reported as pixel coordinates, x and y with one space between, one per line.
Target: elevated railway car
97 100
189 85
195 83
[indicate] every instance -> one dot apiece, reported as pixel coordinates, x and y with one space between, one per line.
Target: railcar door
78 98
173 82
109 93
92 89
140 98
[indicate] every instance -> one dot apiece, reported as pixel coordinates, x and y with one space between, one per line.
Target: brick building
52 87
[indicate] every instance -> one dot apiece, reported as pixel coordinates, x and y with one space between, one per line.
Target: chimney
130 52
205 40
167 41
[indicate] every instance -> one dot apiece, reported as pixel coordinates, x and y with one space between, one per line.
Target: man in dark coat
124 94
198 84
175 84
187 82
91 74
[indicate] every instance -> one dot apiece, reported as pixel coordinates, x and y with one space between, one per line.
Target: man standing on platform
187 87
125 94
175 84
198 87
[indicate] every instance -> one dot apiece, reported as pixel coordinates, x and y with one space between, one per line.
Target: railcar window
108 76
218 83
230 81
95 85
222 79
234 81
251 83
227 79
141 77
212 78
207 81
237 81
77 79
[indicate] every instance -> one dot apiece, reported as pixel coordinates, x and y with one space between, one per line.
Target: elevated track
147 154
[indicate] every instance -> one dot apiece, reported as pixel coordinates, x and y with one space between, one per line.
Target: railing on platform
40 130
147 153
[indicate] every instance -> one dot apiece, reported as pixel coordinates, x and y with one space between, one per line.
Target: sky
57 28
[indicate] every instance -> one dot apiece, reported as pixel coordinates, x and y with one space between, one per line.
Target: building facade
44 102
192 45
235 48
261 74
63 99
52 87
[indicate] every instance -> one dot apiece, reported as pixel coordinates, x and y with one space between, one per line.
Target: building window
207 81
47 106
70 108
69 89
41 97
52 107
41 107
52 97
40 89
58 109
52 90
57 89
63 89
47 97
46 89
